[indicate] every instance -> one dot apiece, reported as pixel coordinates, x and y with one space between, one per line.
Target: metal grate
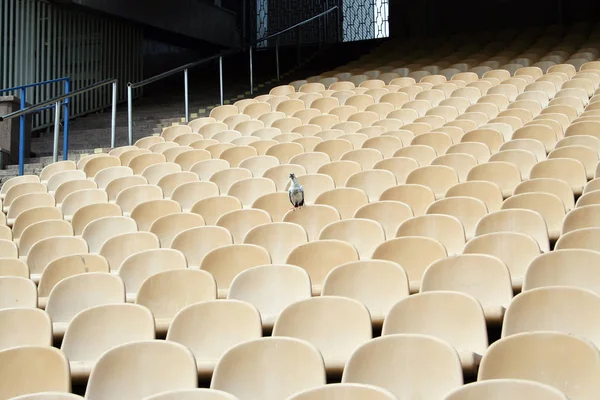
41 41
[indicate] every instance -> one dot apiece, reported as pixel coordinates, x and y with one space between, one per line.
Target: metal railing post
251 73
66 121
56 130
113 119
277 56
22 135
130 114
186 95
221 78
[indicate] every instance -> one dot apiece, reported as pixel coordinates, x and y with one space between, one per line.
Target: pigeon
296 192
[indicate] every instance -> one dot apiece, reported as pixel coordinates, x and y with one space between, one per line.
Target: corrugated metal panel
41 41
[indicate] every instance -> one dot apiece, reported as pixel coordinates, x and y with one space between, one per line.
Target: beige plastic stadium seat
564 361
313 218
17 292
47 370
281 285
335 325
414 254
24 327
193 394
389 214
211 208
169 226
195 243
543 309
499 389
82 198
32 216
119 247
87 214
136 268
454 317
567 169
378 284
27 202
78 292
408 365
584 238
54 168
364 234
13 267
582 217
225 323
46 250
100 230
553 186
468 210
42 230
436 177
64 267
373 182
291 365
516 220
417 197
348 391
278 238
446 229
17 180
147 212
569 267
225 262
548 205
97 329
506 175
329 253
144 368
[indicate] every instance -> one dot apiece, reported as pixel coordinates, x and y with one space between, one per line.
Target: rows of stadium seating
444 196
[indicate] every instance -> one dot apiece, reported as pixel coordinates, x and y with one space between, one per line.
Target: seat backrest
97 329
313 218
278 238
42 230
211 208
564 361
17 292
498 389
378 284
482 276
225 323
141 369
348 391
454 317
24 327
49 249
34 215
516 220
413 253
407 365
225 262
569 267
97 232
118 248
47 370
167 292
170 225
66 266
136 268
364 234
334 325
76 293
281 285
290 364
446 229
551 309
195 243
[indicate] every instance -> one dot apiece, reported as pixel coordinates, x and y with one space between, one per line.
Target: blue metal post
66 121
22 134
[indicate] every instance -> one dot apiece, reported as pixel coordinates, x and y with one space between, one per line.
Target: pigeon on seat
296 193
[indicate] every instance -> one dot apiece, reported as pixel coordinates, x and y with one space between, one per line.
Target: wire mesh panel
365 19
40 41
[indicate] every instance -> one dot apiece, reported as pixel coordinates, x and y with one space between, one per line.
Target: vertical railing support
56 130
22 134
221 78
251 73
113 119
129 114
277 56
186 95
66 121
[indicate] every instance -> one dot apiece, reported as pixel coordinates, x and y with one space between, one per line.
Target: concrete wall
192 18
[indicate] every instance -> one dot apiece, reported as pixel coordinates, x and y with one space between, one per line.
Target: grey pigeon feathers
296 192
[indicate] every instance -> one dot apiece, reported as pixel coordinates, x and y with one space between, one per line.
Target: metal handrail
56 102
219 56
23 89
